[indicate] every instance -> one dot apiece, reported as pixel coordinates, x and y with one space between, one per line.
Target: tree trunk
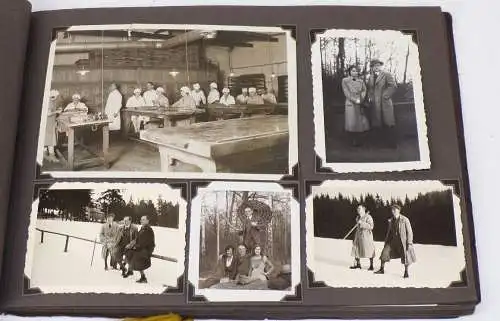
406 64
341 58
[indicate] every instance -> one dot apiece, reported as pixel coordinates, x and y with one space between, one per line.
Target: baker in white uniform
213 95
113 106
226 98
198 95
150 94
137 101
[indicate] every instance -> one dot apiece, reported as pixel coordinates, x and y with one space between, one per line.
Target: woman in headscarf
76 104
50 127
198 95
213 95
161 100
137 101
254 98
186 102
113 106
355 91
226 98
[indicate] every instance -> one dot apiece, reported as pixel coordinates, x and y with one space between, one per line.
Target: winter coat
108 237
355 92
363 246
380 91
143 249
399 247
123 240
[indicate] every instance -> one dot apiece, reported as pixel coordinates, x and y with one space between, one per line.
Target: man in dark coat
142 249
381 86
398 241
252 229
126 236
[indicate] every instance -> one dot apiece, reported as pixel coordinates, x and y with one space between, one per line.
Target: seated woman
261 266
137 101
226 98
161 99
227 268
254 98
76 105
186 102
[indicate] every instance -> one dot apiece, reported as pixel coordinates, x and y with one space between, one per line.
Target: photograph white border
226 295
319 135
174 195
293 156
347 186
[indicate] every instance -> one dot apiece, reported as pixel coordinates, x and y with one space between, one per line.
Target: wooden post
41 239
66 245
217 224
105 144
71 148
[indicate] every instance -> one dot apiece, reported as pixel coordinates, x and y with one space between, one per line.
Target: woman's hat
137 91
376 62
185 89
76 96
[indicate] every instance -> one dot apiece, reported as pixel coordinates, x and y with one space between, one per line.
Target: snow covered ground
437 266
53 270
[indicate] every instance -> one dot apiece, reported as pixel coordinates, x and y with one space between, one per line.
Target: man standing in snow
108 237
143 248
398 241
125 241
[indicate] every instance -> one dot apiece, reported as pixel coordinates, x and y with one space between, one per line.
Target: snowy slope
53 270
437 266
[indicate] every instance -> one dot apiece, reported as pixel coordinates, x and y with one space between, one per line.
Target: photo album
233 162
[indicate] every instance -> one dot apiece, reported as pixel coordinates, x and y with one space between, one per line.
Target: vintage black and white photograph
244 242
368 102
106 238
196 101
385 234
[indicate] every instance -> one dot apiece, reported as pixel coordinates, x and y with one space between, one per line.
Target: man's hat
110 214
396 206
376 62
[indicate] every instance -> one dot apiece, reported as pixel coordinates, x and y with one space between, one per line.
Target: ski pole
349 233
93 251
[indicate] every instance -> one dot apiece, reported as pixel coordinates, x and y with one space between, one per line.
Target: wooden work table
219 111
207 144
171 116
69 128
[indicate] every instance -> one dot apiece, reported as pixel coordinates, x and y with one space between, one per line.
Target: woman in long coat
50 127
143 249
363 245
354 90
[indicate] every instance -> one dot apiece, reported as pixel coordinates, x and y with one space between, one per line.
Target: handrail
156 256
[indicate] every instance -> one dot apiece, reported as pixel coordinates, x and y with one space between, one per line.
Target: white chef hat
252 90
185 89
213 85
137 91
196 86
244 90
54 93
76 96
160 89
225 90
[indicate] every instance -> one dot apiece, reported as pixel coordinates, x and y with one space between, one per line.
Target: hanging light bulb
231 74
273 75
173 73
129 34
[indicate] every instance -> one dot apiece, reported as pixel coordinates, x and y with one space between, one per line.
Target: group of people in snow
398 243
128 248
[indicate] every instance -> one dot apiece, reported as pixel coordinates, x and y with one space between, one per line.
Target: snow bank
437 266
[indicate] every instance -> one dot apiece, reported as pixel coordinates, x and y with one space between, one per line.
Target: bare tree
406 63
